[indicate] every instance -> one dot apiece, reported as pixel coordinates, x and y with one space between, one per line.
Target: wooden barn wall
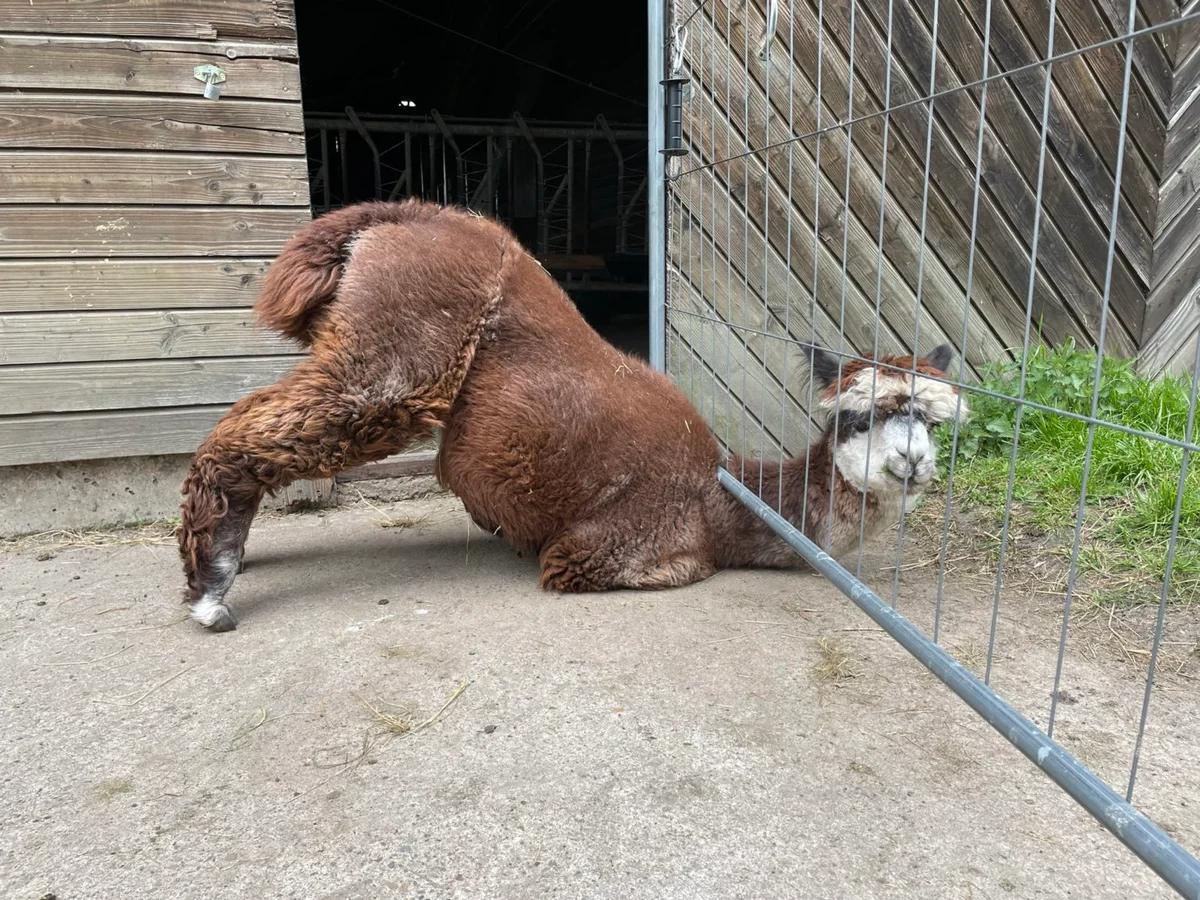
137 218
784 244
1172 325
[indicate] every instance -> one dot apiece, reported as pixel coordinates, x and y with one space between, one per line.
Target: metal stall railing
847 176
575 192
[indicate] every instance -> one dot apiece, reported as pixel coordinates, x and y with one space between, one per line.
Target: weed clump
1133 482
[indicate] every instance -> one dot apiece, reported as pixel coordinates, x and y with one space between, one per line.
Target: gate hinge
673 117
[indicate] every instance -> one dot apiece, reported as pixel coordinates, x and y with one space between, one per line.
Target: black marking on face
851 422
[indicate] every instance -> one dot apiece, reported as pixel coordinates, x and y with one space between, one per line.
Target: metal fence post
656 224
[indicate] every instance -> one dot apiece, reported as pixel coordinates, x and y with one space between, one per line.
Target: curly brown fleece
422 318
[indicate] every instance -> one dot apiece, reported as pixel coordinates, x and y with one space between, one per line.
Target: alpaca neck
811 493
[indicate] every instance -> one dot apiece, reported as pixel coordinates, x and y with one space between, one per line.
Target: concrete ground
753 736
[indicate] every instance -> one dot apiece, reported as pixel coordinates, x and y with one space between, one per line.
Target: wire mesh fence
927 269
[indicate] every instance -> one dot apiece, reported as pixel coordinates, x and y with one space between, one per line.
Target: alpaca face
885 419
894 452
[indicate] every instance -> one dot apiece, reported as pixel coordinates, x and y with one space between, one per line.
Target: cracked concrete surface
693 743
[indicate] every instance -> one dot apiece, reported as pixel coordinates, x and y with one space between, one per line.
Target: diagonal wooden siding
137 218
768 247
1172 326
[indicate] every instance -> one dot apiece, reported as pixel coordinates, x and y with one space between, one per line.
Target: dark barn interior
531 111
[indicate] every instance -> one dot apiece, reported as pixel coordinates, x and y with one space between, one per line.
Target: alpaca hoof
213 615
241 567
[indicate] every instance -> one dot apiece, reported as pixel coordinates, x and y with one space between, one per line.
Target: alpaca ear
824 365
940 357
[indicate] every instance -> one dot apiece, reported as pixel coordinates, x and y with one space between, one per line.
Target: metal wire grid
589 180
717 360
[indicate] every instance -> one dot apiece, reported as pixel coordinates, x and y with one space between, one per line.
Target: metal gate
1009 179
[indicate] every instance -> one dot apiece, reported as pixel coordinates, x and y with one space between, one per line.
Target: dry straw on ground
835 664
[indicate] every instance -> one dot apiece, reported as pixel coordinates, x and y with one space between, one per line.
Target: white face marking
879 460
937 400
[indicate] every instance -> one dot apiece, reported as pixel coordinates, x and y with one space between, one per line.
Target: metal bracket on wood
213 77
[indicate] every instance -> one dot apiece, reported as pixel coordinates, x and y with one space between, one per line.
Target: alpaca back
304 278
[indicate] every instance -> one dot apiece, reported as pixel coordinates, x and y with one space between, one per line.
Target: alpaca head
882 417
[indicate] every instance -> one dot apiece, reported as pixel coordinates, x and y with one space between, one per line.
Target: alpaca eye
863 425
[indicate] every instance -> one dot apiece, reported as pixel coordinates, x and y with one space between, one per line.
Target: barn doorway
532 111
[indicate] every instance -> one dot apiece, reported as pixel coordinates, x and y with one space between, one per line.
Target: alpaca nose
916 448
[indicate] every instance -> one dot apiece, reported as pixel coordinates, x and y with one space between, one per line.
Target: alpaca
421 318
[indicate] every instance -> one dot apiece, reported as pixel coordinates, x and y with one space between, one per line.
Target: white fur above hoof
213 615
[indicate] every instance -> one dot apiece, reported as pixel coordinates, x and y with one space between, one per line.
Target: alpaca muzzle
915 468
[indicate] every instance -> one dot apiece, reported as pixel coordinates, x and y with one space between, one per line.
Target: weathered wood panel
116 284
753 211
111 122
1172 315
165 334
1172 347
1174 288
1070 225
1185 75
742 273
1001 257
1089 90
756 187
1175 240
740 400
402 465
1181 43
58 438
261 71
1150 60
61 232
148 178
152 18
906 270
1001 307
1185 129
26 390
763 344
1178 191
137 219
952 167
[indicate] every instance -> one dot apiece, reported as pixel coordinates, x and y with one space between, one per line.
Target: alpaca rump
421 318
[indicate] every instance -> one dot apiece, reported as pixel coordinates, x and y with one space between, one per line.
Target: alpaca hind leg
228 548
675 570
228 561
573 564
245 533
307 426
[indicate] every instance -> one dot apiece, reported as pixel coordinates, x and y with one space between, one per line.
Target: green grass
1132 487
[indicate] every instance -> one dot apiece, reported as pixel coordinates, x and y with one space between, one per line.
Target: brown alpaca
422 318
